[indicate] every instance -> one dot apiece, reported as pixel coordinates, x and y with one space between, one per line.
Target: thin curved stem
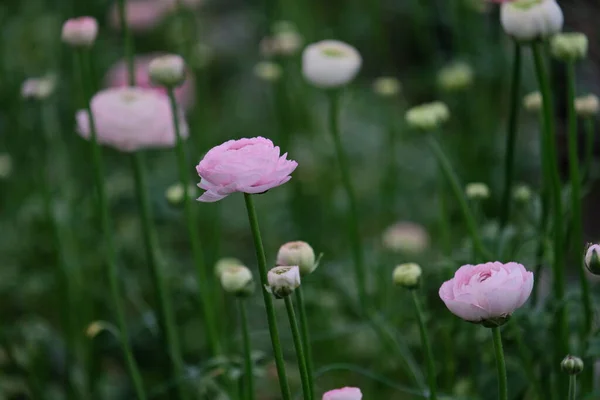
248 364
166 318
267 298
511 137
305 331
554 186
112 270
448 171
352 216
500 364
289 306
202 273
426 347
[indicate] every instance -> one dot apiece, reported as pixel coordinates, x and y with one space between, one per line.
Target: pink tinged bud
592 259
487 293
346 393
283 280
297 253
80 32
252 166
130 119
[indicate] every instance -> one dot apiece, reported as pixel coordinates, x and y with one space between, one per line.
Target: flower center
282 271
333 52
129 97
525 4
484 276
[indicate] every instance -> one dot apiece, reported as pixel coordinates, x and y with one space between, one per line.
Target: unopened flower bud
592 259
330 63
175 194
456 76
533 101
407 275
297 253
226 263
569 46
95 328
237 280
5 165
268 71
572 365
168 71
477 190
38 88
405 237
80 32
522 193
427 116
587 106
531 19
386 86
283 280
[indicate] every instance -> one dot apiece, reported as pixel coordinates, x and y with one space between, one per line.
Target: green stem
576 182
204 278
305 338
129 52
165 314
289 305
502 381
562 337
112 270
352 216
511 137
572 387
460 196
426 347
588 124
248 364
267 298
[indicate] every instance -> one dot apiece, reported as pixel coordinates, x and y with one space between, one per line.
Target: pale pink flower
252 165
487 292
80 31
117 76
131 119
346 393
141 15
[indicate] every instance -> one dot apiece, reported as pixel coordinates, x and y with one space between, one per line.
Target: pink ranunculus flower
117 76
142 15
131 119
346 393
252 165
487 293
80 31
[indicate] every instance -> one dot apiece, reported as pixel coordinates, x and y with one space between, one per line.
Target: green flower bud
572 365
407 275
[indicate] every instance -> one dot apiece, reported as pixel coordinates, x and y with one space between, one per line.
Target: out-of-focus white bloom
268 71
533 101
80 32
456 76
225 263
531 19
5 165
297 253
407 275
569 46
330 63
168 70
237 280
175 193
522 193
477 190
587 106
405 237
286 40
283 280
387 86
427 116
38 88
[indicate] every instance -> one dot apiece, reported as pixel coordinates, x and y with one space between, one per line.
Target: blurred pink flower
117 77
142 15
489 291
346 393
131 119
80 31
245 165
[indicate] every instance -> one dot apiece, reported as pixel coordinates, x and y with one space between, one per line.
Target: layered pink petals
246 165
346 393
131 119
486 291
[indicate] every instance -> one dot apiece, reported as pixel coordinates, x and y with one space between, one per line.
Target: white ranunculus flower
283 280
531 19
330 63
